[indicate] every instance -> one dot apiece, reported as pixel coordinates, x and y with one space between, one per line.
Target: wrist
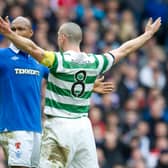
148 35
9 34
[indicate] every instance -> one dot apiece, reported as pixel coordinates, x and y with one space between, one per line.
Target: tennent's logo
21 71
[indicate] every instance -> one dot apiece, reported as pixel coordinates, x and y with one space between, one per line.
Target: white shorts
22 147
68 143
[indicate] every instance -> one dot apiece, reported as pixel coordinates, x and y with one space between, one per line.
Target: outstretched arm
22 43
132 45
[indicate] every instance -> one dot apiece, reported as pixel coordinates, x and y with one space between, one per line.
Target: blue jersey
20 91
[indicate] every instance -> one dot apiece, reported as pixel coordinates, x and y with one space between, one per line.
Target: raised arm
132 45
22 43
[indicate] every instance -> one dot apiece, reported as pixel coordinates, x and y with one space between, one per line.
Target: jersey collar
13 48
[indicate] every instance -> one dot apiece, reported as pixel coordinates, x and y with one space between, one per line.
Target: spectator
163 159
112 150
136 160
144 141
128 30
156 113
151 75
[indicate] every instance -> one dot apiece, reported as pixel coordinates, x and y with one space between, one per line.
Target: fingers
105 91
108 87
149 21
1 20
109 84
157 21
100 79
153 27
4 26
1 24
156 25
7 19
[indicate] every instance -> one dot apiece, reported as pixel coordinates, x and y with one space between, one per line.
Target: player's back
70 83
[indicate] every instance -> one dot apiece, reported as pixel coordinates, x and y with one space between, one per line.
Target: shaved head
72 31
23 21
22 26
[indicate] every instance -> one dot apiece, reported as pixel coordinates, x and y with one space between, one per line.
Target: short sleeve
45 72
49 58
109 60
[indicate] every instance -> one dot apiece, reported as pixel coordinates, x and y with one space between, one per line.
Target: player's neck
72 48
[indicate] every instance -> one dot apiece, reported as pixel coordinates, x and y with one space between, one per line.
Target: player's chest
20 65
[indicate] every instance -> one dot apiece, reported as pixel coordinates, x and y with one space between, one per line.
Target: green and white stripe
59 98
67 84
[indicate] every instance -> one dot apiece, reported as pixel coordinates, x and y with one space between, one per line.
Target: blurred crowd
131 124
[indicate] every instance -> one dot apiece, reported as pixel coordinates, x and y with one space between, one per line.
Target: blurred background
130 125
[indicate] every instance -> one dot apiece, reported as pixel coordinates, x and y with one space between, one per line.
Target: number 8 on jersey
78 87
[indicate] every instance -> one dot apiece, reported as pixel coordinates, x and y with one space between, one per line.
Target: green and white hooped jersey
71 81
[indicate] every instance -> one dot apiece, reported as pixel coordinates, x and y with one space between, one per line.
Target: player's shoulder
50 53
33 60
37 63
44 71
2 50
44 68
93 54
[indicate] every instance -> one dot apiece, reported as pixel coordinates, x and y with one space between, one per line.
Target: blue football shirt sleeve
45 72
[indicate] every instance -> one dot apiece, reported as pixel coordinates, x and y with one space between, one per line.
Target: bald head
22 26
22 21
72 31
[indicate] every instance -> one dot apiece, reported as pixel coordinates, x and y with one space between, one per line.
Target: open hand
103 87
152 27
5 26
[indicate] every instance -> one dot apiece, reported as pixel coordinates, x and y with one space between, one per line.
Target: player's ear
63 36
31 33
